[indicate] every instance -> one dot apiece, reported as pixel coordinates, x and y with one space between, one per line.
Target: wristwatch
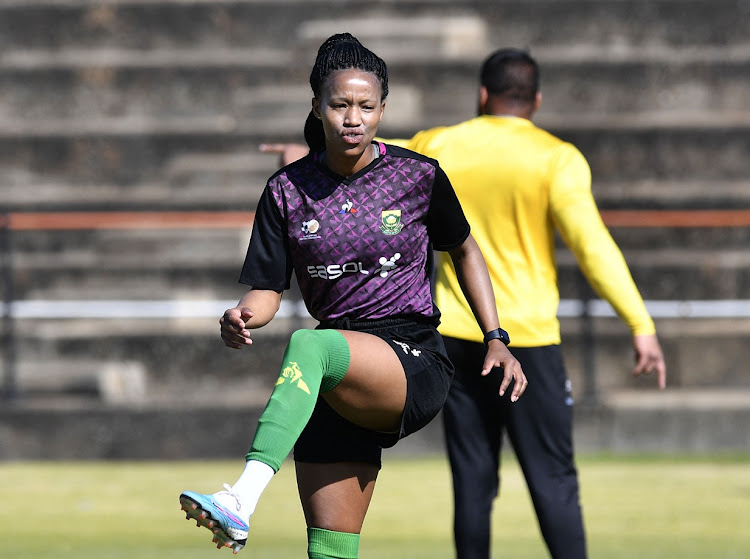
497 334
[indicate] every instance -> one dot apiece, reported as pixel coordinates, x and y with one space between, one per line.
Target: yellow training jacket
518 183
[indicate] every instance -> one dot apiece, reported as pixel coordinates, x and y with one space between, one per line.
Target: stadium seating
161 106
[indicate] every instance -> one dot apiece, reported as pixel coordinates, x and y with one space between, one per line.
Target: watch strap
497 334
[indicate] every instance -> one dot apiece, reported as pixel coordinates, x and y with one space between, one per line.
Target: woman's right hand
233 330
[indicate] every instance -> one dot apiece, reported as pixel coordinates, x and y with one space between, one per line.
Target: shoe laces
230 493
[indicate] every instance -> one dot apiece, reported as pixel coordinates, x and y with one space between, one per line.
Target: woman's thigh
372 394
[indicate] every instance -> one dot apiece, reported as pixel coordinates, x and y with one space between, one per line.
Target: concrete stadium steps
46 91
128 264
129 281
583 90
178 168
655 194
683 421
667 263
160 105
130 248
234 182
206 178
201 89
643 151
701 353
661 274
675 274
110 156
143 24
658 242
178 356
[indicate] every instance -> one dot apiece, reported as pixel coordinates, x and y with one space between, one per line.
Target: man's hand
288 153
649 358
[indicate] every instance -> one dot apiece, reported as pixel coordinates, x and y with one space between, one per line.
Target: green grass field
635 507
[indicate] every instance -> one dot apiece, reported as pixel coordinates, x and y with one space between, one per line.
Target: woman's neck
347 166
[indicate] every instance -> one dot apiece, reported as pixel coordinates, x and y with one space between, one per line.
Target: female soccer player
356 221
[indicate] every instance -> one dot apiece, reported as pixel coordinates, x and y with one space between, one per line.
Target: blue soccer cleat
218 513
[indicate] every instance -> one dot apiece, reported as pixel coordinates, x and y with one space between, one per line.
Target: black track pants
539 426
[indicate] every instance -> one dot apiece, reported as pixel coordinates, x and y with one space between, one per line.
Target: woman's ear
316 108
382 111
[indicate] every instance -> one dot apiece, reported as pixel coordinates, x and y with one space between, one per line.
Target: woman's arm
474 279
255 309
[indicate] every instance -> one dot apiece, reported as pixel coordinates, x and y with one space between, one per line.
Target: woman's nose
353 117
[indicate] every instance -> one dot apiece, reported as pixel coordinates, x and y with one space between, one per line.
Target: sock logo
293 374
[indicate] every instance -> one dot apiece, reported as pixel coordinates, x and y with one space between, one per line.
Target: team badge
390 222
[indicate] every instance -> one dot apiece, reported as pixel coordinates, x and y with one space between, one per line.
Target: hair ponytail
314 134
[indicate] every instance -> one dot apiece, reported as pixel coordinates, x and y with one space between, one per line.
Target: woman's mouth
352 137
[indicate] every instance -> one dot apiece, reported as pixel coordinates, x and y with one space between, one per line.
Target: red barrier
676 218
30 221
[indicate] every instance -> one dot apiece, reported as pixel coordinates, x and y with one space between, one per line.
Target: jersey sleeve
446 224
268 260
580 225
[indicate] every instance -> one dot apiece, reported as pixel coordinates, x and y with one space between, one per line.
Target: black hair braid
340 52
315 135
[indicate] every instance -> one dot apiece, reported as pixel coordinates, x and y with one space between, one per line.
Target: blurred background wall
129 168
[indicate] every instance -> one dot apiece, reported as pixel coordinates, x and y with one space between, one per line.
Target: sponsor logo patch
333 271
310 229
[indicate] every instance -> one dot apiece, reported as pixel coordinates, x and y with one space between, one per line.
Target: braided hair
340 52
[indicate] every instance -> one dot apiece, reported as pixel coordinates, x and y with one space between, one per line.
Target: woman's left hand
498 355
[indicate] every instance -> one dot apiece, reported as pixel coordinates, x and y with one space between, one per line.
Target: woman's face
350 107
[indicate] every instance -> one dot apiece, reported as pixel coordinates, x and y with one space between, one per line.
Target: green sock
315 361
325 544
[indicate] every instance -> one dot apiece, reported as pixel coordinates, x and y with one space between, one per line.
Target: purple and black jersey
360 246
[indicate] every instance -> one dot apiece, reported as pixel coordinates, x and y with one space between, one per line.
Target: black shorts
328 437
